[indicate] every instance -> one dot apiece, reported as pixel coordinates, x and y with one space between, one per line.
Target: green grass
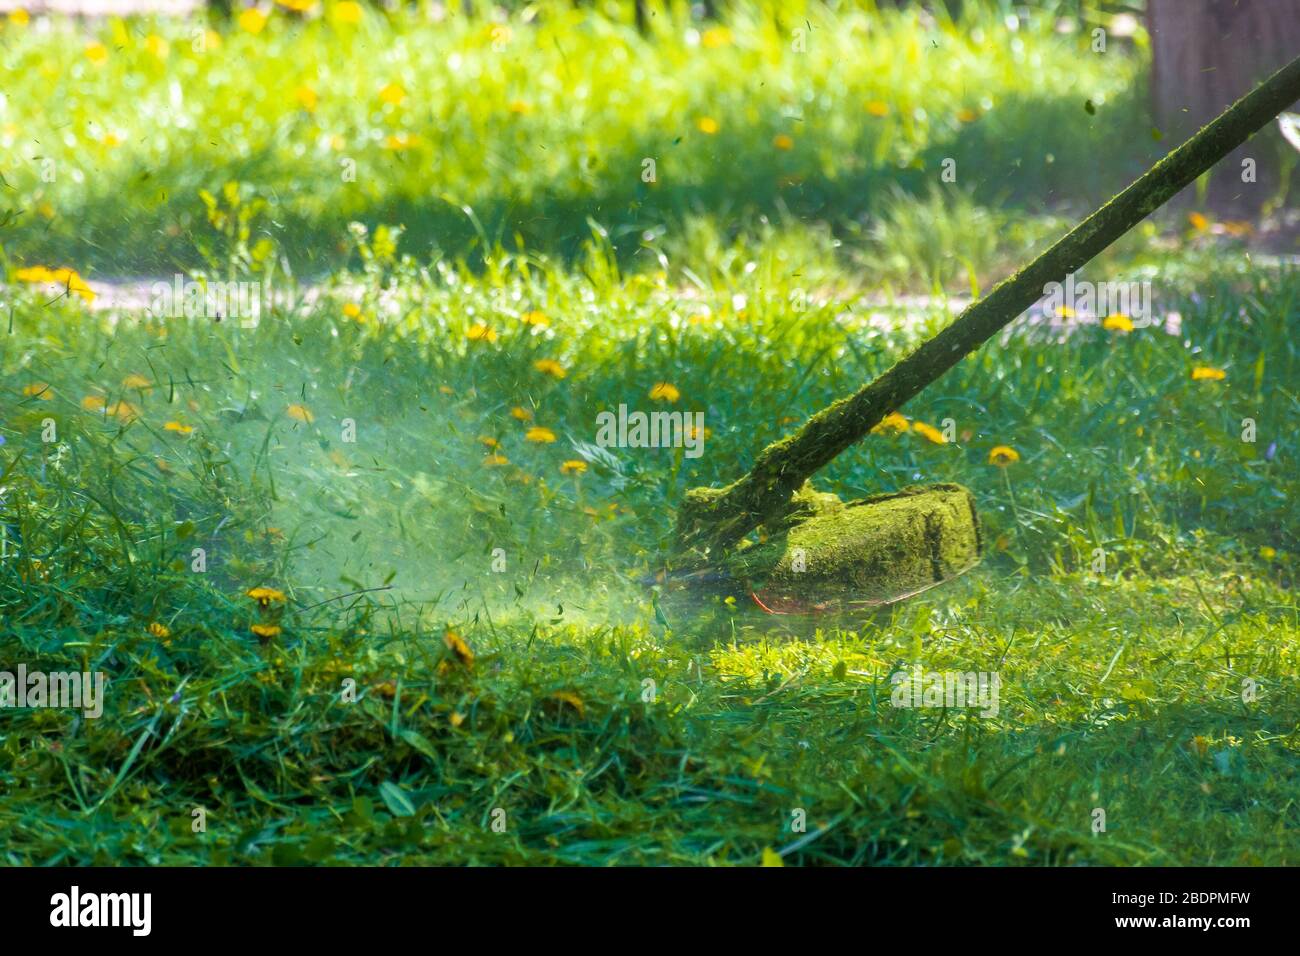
1121 689
541 125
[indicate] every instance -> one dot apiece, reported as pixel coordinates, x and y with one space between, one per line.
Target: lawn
463 655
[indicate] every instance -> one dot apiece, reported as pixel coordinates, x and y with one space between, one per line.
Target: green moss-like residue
875 549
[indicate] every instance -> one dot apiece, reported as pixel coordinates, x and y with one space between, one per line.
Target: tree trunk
1204 55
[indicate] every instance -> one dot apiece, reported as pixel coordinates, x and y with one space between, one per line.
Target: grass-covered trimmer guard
816 550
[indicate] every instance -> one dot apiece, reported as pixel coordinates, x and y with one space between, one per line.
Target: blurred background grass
544 121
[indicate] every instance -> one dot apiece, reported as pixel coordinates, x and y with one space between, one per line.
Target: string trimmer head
825 554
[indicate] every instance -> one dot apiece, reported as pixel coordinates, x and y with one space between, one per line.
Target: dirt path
119 298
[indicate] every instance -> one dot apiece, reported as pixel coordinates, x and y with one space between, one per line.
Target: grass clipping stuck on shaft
870 551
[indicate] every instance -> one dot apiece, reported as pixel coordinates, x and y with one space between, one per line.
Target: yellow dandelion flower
539 434
93 403
1003 455
97 53
1208 373
77 286
479 332
550 367
575 466
536 319
20 17
297 6
967 115
159 630
1267 553
564 698
346 12
459 649
892 422
136 381
520 108
1198 221
707 125
399 142
306 97
252 20
877 108
715 37
266 631
522 414
930 433
300 413
157 46
495 460
489 441
178 428
1117 322
351 310
664 392
110 140
68 278
123 411
782 141
393 94
692 432
39 390
264 596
